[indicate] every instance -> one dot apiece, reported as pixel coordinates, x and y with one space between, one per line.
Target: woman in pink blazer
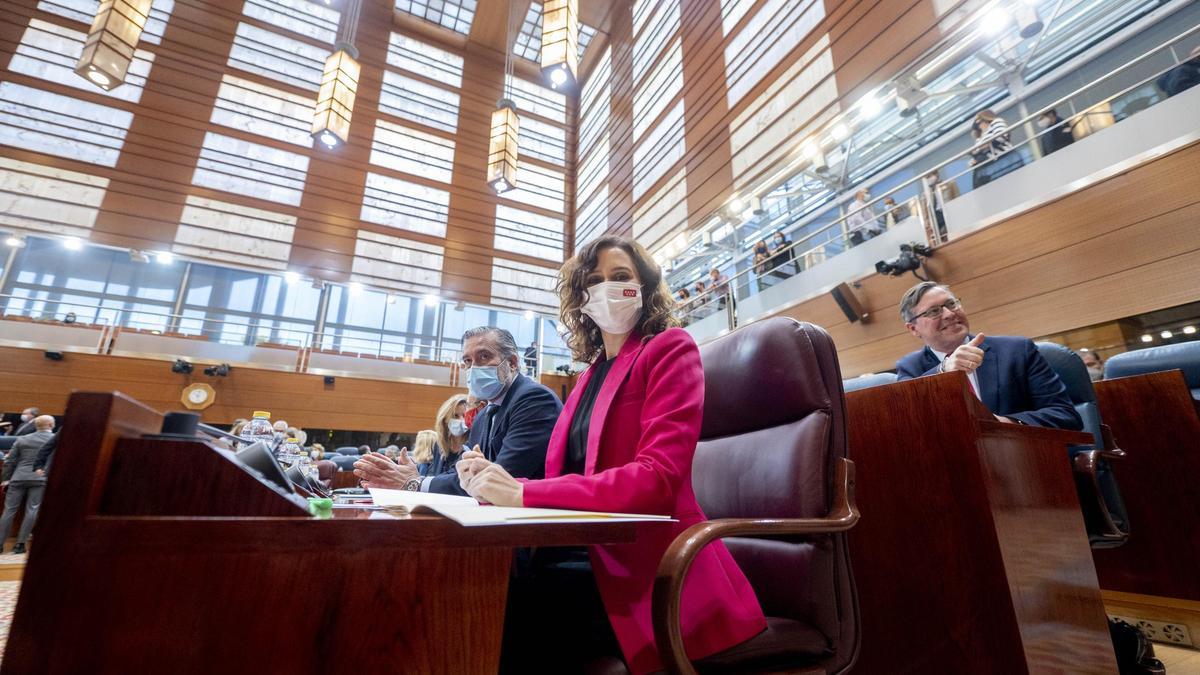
625 443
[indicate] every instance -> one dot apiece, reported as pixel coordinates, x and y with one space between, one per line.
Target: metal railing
817 247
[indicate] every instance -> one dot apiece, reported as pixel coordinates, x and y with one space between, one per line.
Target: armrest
1110 451
1086 467
673 569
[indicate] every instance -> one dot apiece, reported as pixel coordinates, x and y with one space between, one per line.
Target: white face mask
1043 123
26 418
458 427
315 455
615 306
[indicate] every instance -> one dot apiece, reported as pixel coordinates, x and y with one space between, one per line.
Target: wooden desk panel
1154 420
971 555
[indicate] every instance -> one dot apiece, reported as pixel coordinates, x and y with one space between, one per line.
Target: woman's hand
487 481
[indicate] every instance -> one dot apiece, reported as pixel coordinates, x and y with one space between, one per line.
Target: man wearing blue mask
512 431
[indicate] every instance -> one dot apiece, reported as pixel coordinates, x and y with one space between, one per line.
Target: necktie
489 415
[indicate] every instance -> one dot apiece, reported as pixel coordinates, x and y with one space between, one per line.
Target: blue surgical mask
458 427
484 382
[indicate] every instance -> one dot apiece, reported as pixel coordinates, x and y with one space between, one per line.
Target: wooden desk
971 555
110 592
1153 419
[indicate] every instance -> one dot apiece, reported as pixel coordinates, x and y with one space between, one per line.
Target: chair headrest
772 372
1070 369
868 381
1184 356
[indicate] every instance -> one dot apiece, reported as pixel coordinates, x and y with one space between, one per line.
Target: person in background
238 424
364 450
531 358
451 432
316 452
1183 76
700 302
761 267
423 448
298 434
26 425
1059 135
392 452
861 223
720 286
25 482
992 155
1008 374
513 431
625 443
894 213
1094 364
474 406
939 194
782 255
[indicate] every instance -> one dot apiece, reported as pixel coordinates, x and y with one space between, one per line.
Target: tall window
241 307
371 322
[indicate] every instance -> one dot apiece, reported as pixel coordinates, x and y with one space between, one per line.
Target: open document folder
468 512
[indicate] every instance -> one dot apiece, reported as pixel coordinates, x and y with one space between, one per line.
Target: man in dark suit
25 483
1006 373
26 426
512 431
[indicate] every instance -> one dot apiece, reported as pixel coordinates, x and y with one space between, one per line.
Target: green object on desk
321 507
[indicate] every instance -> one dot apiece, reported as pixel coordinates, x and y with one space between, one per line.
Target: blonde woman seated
422 452
450 435
624 442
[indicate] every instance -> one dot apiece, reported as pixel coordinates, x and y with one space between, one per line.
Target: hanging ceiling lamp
112 41
339 83
560 42
502 145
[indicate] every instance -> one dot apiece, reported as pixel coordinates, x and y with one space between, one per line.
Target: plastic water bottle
290 453
259 429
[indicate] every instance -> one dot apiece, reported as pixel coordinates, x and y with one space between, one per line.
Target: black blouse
577 438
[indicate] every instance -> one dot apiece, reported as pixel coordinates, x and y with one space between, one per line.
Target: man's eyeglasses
934 312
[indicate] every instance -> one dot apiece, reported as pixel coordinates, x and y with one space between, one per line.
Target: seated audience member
1094 365
625 443
1007 373
364 449
1183 76
450 431
513 431
299 434
237 427
474 407
422 453
317 452
26 425
1058 137
25 482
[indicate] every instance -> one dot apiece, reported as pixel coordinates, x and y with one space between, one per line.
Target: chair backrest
347 450
1185 356
344 462
774 424
868 381
325 469
1074 375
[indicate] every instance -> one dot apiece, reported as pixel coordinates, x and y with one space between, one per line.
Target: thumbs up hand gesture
967 357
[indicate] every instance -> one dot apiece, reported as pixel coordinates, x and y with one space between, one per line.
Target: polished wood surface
1154 420
971 556
304 400
561 385
1130 240
352 594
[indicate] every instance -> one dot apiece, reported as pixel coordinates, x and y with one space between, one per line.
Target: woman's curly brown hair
583 335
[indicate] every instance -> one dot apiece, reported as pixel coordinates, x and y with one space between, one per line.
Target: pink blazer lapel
608 391
556 449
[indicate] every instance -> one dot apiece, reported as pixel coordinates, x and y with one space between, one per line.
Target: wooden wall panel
26 378
1121 247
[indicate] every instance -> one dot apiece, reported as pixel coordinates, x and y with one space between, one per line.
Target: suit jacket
519 431
641 440
1014 381
24 428
18 465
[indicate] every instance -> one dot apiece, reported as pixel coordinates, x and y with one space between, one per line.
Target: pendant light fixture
112 41
502 145
339 83
560 42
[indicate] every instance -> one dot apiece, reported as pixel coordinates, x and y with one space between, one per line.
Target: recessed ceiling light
1167 335
1189 330
1147 338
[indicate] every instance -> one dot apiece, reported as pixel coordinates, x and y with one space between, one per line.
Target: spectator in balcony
720 286
1094 364
1059 135
992 155
861 224
25 483
893 213
939 194
531 357
781 256
762 266
1182 77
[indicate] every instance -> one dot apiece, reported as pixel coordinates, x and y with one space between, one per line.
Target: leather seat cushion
784 644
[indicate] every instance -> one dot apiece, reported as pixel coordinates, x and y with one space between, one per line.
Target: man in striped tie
1007 373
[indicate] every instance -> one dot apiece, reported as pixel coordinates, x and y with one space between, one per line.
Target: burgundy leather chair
772 476
325 470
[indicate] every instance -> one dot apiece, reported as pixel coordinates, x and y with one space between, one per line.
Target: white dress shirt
970 374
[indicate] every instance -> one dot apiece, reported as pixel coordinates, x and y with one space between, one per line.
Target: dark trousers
555 620
31 494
